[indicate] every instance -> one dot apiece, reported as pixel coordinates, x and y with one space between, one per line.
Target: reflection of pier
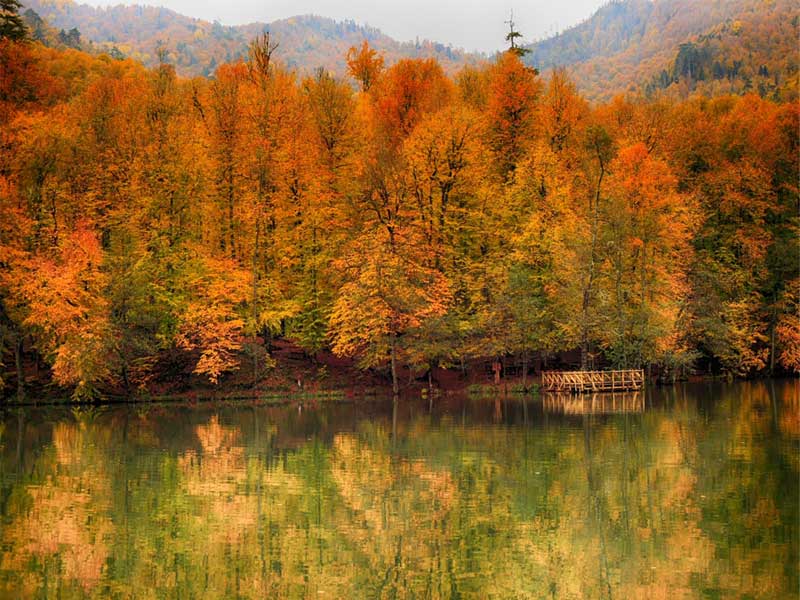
594 404
592 381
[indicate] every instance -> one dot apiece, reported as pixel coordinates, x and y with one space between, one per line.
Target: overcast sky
468 24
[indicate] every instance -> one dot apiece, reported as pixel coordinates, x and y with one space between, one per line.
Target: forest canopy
401 216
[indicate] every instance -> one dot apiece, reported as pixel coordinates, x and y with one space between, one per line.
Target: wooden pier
592 381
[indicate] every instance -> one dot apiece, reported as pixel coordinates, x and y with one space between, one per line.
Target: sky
468 24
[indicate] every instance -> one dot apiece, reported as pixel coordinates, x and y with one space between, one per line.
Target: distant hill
196 47
680 46
677 47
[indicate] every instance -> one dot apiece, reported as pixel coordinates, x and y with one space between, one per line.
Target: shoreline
511 388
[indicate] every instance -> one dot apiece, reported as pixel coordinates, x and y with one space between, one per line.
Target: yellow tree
598 152
210 325
511 110
445 173
386 293
364 65
539 291
68 314
272 126
225 125
332 142
646 253
788 329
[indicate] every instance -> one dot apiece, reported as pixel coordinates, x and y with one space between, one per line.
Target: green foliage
12 25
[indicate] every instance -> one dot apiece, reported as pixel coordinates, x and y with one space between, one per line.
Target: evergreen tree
71 38
11 24
512 36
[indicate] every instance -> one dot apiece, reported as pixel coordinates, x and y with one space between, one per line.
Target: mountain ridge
196 46
672 47
636 46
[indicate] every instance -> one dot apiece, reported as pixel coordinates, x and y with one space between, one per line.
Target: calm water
691 492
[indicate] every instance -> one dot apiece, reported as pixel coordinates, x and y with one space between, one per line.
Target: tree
12 26
541 269
364 65
260 54
511 111
511 38
562 112
331 125
788 329
409 90
209 323
646 254
331 106
226 127
387 293
600 150
445 173
69 315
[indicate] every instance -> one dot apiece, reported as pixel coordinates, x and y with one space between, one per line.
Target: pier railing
592 381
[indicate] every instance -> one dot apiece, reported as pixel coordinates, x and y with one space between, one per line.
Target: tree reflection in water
689 492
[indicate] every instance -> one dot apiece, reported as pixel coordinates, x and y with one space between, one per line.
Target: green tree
12 26
512 36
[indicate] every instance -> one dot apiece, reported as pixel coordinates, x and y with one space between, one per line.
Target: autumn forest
152 224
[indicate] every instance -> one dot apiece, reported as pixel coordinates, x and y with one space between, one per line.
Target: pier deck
592 381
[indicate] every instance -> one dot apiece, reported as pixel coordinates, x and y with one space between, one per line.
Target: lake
684 492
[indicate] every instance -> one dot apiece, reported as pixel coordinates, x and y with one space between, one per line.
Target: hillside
196 47
681 46
677 47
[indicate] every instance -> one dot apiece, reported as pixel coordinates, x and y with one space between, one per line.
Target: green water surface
684 492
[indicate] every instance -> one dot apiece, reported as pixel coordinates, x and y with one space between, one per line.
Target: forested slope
681 46
197 47
677 47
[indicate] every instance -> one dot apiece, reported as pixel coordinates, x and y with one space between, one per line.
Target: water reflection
693 493
594 404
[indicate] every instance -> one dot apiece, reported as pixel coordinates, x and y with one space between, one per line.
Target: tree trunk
125 381
430 389
587 292
20 436
255 303
505 376
772 348
584 352
231 194
395 386
394 422
20 373
525 372
525 409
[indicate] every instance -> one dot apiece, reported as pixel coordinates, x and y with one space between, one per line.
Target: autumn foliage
422 220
